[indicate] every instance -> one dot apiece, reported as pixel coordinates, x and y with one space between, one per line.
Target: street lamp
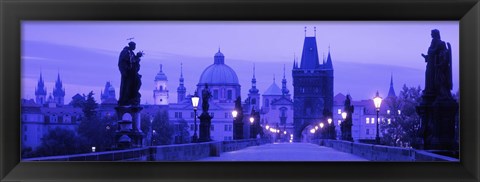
321 130
344 115
252 132
195 99
330 127
235 133
377 100
151 130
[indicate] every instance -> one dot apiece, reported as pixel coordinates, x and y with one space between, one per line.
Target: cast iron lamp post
377 100
234 114
252 132
343 127
195 99
329 121
321 130
151 130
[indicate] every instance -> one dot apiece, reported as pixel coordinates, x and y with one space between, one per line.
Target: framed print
283 90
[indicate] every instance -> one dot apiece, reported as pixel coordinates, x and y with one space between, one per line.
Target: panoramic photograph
223 91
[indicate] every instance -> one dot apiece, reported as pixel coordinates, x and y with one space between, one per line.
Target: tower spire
284 83
391 90
254 89
181 70
181 90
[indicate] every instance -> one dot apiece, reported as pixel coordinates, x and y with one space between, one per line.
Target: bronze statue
129 65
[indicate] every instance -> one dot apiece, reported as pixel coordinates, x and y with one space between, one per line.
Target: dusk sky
364 54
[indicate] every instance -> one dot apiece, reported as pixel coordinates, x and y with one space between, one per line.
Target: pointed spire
253 70
284 83
314 31
305 31
181 70
391 90
181 90
254 89
329 64
273 78
161 68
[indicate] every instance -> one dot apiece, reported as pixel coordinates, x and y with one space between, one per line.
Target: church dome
219 72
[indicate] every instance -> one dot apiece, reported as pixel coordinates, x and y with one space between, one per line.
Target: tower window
254 101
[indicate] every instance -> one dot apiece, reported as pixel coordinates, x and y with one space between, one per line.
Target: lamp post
321 130
151 130
343 127
377 100
329 120
252 132
195 99
234 114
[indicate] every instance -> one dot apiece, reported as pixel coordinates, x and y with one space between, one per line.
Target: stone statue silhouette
129 65
206 95
438 75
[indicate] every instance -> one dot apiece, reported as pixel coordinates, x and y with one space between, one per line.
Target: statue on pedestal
129 134
205 118
438 108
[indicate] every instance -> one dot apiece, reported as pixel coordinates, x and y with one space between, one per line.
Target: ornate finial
253 70
315 31
305 31
219 48
273 78
329 48
161 69
283 71
181 69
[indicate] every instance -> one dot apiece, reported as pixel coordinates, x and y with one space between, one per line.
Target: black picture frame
12 12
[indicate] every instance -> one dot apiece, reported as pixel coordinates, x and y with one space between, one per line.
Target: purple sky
364 53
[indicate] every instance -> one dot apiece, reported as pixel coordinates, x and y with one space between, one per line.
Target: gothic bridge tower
313 88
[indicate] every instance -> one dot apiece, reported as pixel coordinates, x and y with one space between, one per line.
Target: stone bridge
259 150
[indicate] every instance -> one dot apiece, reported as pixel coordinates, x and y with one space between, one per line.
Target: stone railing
178 152
382 152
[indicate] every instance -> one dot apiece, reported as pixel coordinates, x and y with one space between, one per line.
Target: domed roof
160 75
218 72
273 90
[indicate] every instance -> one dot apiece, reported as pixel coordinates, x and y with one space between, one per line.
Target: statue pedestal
205 122
128 134
438 124
238 130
